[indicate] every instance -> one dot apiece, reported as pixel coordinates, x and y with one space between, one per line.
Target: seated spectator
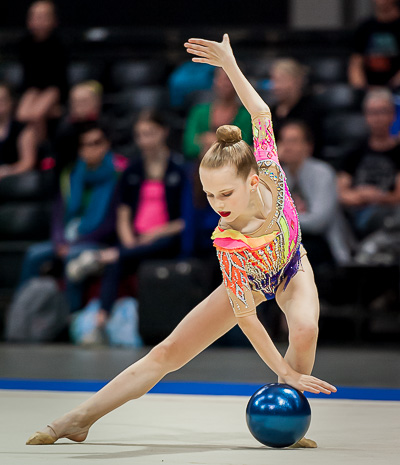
376 57
84 212
200 218
289 79
312 184
369 180
17 143
187 78
85 102
44 65
205 118
149 216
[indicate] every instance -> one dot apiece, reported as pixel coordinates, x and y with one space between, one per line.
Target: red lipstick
224 214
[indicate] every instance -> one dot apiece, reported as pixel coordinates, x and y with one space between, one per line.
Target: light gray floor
344 366
159 429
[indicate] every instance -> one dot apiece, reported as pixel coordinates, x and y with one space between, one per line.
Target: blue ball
278 415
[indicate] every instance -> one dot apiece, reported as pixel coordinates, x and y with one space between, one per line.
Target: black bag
168 290
38 312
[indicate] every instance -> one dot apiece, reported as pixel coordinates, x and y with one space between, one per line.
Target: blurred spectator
312 184
205 118
369 181
84 212
17 144
289 80
200 218
376 57
85 102
44 63
187 78
149 218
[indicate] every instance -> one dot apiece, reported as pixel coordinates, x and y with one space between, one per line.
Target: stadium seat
327 70
344 128
24 221
131 74
11 256
339 97
33 185
134 100
80 71
11 73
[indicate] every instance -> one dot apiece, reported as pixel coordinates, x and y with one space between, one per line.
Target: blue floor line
192 388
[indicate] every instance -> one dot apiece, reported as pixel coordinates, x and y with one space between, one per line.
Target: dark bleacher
133 64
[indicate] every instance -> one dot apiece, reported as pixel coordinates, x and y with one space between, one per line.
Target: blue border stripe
192 388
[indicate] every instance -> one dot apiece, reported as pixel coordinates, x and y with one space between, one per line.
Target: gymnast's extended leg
207 322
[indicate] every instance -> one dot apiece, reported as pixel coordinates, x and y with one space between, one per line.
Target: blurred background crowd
103 123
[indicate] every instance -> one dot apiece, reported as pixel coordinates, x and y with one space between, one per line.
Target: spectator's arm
27 154
124 226
348 195
356 74
321 206
171 228
393 197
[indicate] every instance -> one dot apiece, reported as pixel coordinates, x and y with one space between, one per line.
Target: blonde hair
230 149
379 93
292 67
93 86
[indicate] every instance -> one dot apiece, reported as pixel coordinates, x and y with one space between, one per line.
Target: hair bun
228 134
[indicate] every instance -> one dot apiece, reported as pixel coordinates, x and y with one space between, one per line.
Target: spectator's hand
210 52
370 194
147 239
129 242
62 250
4 171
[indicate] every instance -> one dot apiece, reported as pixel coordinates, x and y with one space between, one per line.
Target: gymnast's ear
254 181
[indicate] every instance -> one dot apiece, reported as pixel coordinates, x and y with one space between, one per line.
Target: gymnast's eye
228 194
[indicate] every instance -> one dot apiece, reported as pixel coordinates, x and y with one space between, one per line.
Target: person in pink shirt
148 217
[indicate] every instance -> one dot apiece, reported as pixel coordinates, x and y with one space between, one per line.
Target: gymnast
258 243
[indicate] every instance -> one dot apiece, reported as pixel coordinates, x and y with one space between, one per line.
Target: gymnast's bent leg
206 323
300 304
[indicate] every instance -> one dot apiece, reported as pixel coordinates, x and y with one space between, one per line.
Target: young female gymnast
258 246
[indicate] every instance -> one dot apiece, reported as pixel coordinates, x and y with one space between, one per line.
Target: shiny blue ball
278 415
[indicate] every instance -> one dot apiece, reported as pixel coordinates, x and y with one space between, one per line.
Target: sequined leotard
254 265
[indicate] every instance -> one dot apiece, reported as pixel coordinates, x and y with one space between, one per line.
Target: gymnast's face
227 193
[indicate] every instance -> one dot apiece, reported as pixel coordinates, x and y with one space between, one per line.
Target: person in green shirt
205 118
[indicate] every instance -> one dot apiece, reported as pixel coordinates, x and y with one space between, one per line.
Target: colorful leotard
254 265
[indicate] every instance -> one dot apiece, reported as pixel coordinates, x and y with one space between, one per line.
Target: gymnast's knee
168 355
304 335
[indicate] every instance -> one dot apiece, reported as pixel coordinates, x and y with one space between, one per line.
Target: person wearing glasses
83 214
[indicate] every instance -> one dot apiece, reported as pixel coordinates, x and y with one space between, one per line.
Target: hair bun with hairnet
228 134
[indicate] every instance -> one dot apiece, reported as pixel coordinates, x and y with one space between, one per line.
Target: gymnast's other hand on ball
210 52
308 383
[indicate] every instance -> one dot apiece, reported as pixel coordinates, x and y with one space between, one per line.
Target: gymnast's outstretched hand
309 383
210 52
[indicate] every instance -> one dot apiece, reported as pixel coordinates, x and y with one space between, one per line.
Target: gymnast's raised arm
220 54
